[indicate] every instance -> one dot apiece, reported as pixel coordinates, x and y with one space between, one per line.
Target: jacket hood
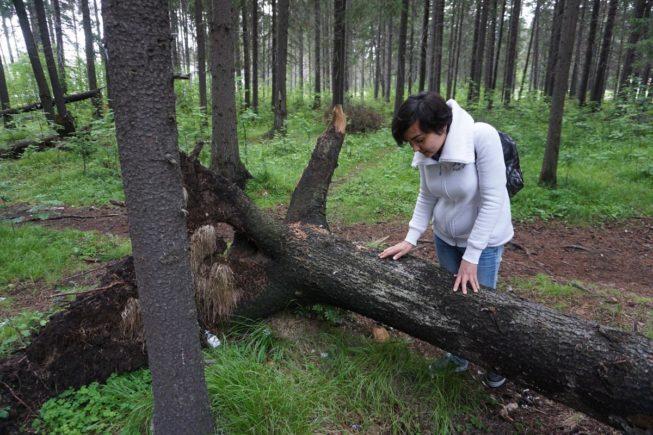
459 145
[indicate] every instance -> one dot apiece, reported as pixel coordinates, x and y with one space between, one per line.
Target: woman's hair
427 108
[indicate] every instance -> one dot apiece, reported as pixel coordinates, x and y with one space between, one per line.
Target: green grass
33 253
325 381
15 332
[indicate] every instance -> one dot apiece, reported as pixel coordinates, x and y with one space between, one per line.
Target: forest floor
615 256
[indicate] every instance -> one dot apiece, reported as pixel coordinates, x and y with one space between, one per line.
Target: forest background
499 59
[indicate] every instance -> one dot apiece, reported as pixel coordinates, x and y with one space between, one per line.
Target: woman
462 190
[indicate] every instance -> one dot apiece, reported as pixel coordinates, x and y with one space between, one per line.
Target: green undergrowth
30 253
323 381
15 332
609 306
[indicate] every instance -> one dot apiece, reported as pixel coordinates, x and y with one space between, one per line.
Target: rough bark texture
141 73
90 55
401 56
225 155
548 174
32 52
308 202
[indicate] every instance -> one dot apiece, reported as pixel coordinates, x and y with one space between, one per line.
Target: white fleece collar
459 144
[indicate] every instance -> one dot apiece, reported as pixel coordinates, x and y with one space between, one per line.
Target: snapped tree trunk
595 369
141 73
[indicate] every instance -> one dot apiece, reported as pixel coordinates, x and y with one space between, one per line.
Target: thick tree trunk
141 71
602 71
401 56
553 46
32 52
225 155
598 370
90 55
548 173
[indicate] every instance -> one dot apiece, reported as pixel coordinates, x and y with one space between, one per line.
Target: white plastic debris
212 340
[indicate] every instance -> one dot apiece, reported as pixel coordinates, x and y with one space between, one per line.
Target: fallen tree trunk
16 149
598 370
67 99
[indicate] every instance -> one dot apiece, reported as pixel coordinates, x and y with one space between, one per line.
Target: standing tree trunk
424 46
495 66
61 59
141 74
64 119
473 87
554 46
4 96
274 51
636 33
489 51
602 71
589 51
548 174
246 57
511 54
377 58
318 63
411 47
338 79
32 52
458 48
388 58
254 55
530 47
401 57
580 28
436 48
90 56
225 155
6 32
175 33
280 65
201 56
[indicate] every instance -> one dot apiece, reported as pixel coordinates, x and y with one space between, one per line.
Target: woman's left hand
466 274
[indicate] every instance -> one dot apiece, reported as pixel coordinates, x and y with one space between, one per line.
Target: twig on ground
31 410
577 247
113 284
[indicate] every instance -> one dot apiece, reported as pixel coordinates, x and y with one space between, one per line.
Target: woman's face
426 143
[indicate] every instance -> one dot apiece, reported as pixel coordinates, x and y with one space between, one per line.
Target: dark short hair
428 108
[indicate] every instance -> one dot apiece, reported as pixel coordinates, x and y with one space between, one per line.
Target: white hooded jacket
464 191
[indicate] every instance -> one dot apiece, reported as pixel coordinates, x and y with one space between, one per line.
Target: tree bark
90 55
554 45
32 52
255 55
436 52
225 155
602 71
401 56
548 174
339 53
589 51
141 71
424 45
580 28
61 59
64 120
281 64
511 53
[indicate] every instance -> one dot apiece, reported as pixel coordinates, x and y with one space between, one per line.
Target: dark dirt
613 255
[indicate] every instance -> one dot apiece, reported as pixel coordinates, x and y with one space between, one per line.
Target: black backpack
514 176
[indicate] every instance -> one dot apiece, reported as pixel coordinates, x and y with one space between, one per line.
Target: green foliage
326 381
122 405
15 332
31 252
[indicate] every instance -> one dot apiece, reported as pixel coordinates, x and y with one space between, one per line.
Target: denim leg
488 266
449 256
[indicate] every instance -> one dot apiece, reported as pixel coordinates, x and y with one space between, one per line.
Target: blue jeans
487 270
450 258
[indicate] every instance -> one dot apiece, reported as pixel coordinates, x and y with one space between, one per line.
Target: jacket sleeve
491 170
423 210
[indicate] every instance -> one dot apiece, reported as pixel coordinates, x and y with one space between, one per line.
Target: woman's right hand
397 251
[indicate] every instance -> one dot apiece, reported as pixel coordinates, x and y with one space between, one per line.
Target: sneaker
494 380
458 364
